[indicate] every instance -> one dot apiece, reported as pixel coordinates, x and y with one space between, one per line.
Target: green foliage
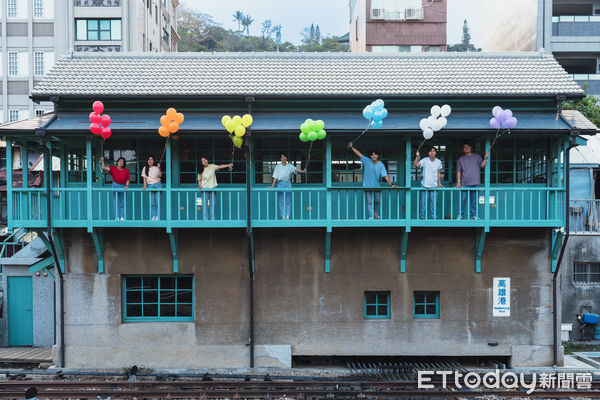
588 106
465 44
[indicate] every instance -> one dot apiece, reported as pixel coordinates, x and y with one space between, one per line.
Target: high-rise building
398 25
36 32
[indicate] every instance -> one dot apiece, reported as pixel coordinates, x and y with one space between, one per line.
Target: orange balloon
171 113
164 121
164 132
179 118
173 127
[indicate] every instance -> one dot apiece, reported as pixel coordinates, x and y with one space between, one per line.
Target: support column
328 249
403 249
9 183
328 209
408 183
169 170
479 242
98 238
486 196
174 239
88 180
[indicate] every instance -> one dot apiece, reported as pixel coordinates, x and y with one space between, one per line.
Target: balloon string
164 150
232 156
308 160
499 133
363 132
421 145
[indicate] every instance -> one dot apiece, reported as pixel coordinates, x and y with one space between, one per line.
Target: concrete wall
579 296
300 309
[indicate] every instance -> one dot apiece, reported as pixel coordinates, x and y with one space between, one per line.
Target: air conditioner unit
413 13
377 13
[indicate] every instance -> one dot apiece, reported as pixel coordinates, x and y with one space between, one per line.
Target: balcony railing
576 18
584 217
308 206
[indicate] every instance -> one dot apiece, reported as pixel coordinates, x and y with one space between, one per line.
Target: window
217 150
12 9
377 305
156 298
38 63
156 14
13 63
39 112
435 49
416 49
426 305
586 272
38 8
13 115
267 154
98 29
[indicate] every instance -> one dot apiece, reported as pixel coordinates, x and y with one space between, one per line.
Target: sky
332 16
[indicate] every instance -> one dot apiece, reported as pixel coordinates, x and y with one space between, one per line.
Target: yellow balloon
240 131
230 126
225 119
237 141
237 120
247 120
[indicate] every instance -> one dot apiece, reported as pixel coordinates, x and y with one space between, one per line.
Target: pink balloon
95 128
105 120
98 107
94 118
106 132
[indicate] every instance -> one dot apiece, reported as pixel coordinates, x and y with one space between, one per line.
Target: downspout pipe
250 101
560 256
41 132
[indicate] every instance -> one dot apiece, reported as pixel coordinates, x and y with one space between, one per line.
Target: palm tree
238 16
246 22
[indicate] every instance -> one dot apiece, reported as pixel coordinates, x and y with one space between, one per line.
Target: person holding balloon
207 179
282 177
432 178
120 176
151 175
468 169
374 170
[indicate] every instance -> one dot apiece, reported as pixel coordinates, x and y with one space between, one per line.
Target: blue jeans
155 199
119 200
424 195
284 199
373 200
208 204
473 195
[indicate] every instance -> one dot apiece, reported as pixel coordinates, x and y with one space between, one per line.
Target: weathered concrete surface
577 297
300 307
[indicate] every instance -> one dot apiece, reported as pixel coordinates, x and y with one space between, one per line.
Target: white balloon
437 125
424 124
446 110
444 121
428 133
431 120
436 111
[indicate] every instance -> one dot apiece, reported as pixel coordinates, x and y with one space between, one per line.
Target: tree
588 106
277 30
318 35
246 22
267 28
465 44
238 16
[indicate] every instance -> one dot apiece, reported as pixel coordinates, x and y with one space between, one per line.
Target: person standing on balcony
374 170
207 179
120 177
151 175
468 169
432 178
282 177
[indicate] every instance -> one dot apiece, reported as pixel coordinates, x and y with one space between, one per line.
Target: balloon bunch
236 127
436 121
169 123
312 130
99 123
375 113
503 121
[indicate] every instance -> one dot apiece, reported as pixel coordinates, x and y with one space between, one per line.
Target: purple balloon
508 113
494 123
502 116
510 123
496 110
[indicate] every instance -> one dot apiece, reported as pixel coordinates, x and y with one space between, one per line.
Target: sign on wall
501 306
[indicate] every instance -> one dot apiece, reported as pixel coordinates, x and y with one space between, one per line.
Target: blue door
20 311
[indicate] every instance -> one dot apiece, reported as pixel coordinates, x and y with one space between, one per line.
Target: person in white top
282 177
207 179
432 178
151 175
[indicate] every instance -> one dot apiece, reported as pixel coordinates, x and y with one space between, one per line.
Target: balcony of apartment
584 218
576 33
591 82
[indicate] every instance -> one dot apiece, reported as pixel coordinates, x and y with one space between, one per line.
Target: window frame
12 110
36 71
426 315
157 318
98 30
38 8
588 273
11 9
13 57
388 304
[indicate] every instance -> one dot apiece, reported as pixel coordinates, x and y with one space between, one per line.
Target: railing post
328 210
407 183
63 174
486 197
88 178
9 183
24 170
169 170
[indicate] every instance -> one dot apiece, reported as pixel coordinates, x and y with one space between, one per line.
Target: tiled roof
307 74
579 121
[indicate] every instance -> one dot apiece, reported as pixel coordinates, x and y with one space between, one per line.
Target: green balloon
237 141
312 136
308 121
320 126
321 134
314 126
305 127
303 137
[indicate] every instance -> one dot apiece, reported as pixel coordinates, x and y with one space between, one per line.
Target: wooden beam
40 265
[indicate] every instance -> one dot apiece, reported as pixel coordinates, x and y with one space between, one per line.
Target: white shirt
430 172
284 173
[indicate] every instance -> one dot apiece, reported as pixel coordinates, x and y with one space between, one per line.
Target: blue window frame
158 298
426 305
377 305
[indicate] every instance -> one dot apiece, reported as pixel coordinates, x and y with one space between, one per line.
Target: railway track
196 389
